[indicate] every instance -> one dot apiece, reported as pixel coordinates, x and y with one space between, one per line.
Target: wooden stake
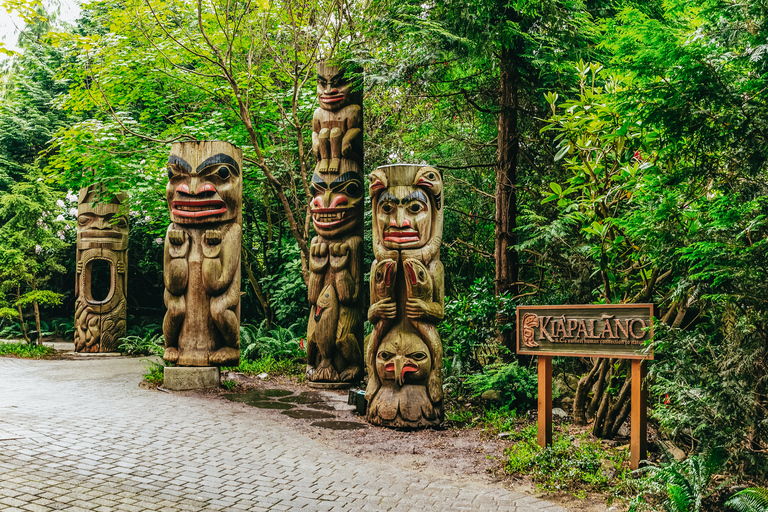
545 401
639 425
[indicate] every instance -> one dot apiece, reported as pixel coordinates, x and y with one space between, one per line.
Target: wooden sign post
599 330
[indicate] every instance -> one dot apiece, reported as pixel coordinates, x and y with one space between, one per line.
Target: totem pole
202 254
335 331
404 354
102 239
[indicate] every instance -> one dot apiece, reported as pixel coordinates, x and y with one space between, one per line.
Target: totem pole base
329 385
182 378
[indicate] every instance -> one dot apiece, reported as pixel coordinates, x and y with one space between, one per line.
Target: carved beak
403 366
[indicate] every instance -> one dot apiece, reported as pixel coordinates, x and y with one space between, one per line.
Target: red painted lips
401 237
195 209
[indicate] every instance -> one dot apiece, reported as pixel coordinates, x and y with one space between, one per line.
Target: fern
753 499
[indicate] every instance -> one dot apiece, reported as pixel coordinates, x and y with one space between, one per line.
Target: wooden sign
595 330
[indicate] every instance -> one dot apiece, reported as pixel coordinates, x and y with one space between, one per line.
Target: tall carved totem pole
102 239
335 332
404 353
202 254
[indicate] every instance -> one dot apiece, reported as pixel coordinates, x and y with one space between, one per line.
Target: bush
517 385
278 343
149 345
573 463
682 485
26 351
269 365
155 373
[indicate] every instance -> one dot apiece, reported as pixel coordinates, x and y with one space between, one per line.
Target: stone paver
82 436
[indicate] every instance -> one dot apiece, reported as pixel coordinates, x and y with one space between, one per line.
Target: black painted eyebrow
347 176
386 196
317 179
337 76
220 158
418 195
177 160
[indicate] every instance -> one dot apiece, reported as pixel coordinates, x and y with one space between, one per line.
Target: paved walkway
81 435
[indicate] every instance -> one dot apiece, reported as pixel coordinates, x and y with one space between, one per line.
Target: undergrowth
26 351
154 373
574 463
271 366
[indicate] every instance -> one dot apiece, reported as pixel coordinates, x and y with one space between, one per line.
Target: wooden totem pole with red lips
404 353
102 239
202 254
335 331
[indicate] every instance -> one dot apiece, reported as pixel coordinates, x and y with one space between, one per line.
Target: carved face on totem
405 215
406 200
334 90
404 358
101 223
335 207
204 187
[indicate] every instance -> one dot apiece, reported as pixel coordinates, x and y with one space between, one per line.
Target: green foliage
517 385
271 366
277 343
154 373
753 499
26 351
63 328
229 384
470 321
572 463
149 345
685 484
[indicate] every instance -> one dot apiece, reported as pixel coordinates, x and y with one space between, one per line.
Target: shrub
684 485
573 463
517 385
277 343
26 351
155 373
149 345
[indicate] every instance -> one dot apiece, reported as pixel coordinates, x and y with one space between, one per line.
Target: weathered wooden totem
404 354
100 280
335 332
202 254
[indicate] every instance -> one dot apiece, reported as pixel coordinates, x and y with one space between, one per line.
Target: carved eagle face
403 358
204 182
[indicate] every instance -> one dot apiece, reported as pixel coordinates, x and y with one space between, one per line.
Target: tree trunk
37 323
21 317
263 299
507 153
582 390
599 386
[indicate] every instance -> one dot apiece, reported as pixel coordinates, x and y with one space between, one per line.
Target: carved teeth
186 208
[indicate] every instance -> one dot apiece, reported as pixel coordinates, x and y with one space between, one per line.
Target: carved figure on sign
404 353
102 240
202 254
335 331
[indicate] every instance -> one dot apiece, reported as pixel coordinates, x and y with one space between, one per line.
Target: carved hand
385 308
339 256
178 243
212 243
318 258
418 309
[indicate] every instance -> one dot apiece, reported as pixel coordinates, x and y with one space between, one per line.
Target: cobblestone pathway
81 435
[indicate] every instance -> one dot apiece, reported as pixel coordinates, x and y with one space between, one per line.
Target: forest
593 152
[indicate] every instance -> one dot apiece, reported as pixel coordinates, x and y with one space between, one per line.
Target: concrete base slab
180 378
